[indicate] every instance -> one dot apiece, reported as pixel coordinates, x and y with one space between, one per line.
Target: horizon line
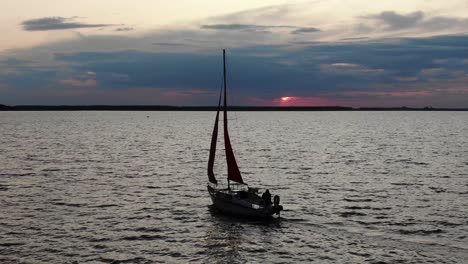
104 107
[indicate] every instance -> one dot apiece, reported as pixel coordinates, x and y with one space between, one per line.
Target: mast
233 169
225 112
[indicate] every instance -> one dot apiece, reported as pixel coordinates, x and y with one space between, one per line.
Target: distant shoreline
210 108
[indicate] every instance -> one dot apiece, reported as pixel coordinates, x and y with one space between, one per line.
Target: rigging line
219 154
232 98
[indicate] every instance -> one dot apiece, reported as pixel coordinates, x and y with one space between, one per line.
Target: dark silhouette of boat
237 198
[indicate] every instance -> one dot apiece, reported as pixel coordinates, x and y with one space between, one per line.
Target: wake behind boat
238 198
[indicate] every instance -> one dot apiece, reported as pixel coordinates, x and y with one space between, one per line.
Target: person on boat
266 196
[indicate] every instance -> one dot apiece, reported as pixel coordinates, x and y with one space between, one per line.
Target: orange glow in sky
302 101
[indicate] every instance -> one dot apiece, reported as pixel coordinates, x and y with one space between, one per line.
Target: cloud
432 71
124 29
305 30
406 79
355 39
187 58
259 28
231 27
388 94
244 27
396 21
325 66
352 68
344 65
241 29
79 83
349 25
263 71
268 14
13 66
172 44
3 87
126 96
418 19
56 23
441 23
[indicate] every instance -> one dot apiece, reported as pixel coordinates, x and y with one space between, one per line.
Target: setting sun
286 98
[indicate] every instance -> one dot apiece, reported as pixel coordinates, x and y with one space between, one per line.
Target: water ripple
121 187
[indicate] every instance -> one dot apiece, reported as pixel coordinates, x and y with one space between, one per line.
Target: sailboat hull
232 203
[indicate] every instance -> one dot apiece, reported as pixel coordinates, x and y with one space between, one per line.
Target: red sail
214 138
233 169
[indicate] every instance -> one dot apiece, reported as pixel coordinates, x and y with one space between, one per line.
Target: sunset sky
146 52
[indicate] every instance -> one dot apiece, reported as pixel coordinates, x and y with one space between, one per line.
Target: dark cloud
396 21
244 27
355 38
451 47
326 66
230 27
13 62
56 23
396 67
305 30
440 23
260 28
124 29
309 43
172 44
13 67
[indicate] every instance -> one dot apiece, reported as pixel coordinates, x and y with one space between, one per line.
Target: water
130 187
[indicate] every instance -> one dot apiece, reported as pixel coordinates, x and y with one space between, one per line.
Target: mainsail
214 138
233 169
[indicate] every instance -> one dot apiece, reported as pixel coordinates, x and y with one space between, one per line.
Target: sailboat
237 198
